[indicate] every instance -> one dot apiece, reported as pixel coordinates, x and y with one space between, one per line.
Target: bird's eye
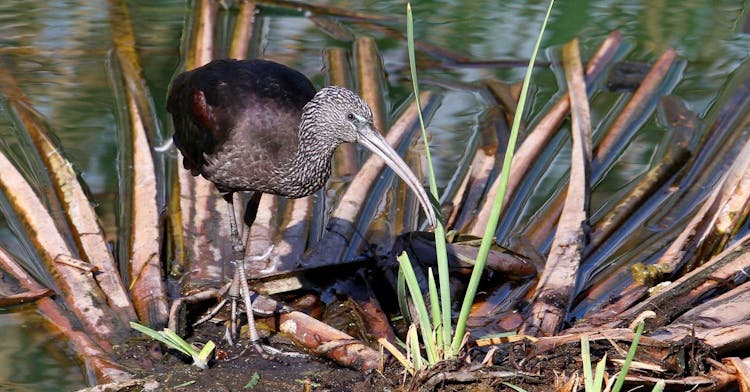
350 116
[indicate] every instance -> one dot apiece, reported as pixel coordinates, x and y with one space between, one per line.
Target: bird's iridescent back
237 120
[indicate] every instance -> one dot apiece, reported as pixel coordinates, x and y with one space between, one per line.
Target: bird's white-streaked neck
309 168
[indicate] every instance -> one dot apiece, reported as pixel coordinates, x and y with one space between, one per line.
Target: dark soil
240 368
233 368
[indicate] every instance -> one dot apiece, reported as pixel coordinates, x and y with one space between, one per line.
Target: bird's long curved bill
374 142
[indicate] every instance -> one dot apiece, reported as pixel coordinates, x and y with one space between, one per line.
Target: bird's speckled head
337 113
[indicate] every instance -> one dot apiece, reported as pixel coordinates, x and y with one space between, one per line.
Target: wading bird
260 126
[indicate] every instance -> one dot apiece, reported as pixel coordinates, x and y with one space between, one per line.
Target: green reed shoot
489 233
593 381
445 326
175 342
629 358
444 344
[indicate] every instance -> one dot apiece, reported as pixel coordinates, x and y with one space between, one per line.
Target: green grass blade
175 342
659 387
631 354
435 307
160 336
179 342
588 379
415 86
206 351
253 381
153 334
416 355
599 375
440 247
185 347
425 325
488 239
401 292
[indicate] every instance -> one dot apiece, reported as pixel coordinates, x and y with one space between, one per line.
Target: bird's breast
243 169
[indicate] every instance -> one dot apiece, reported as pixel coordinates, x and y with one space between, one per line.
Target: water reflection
31 359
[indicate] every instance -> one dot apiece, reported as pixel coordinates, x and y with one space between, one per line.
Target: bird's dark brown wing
224 96
194 131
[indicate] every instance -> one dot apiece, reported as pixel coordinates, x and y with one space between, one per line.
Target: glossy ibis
260 126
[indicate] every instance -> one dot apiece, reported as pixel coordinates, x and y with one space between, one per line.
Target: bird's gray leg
234 292
239 288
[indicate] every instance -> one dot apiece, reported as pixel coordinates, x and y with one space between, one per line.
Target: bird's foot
238 292
270 353
233 294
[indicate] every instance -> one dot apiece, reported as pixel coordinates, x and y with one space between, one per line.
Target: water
58 52
32 359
